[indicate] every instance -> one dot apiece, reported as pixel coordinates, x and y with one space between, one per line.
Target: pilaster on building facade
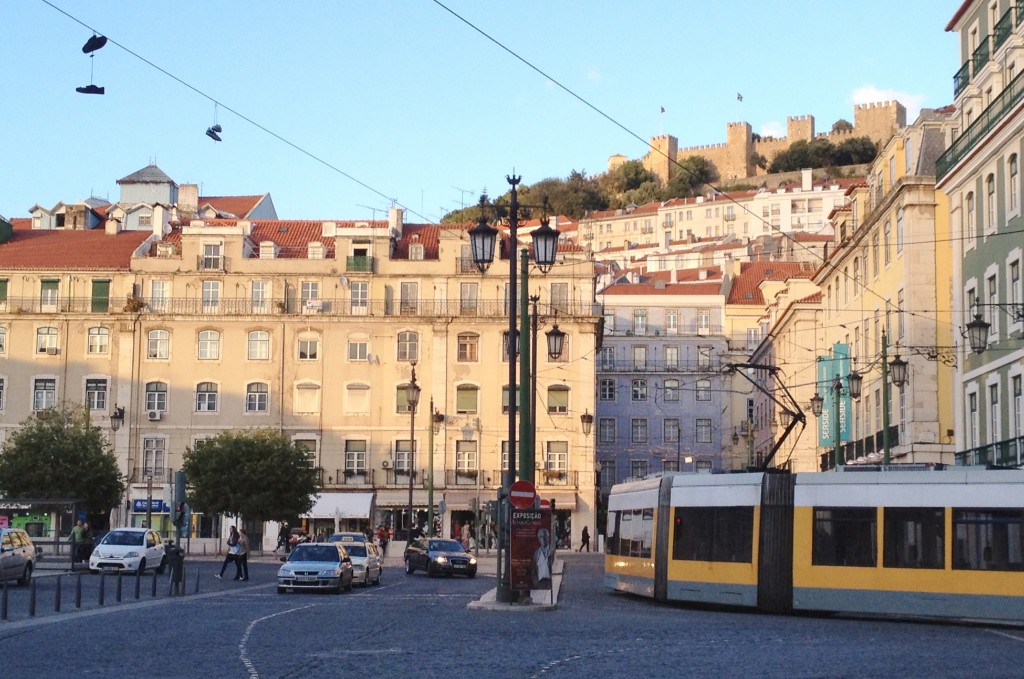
199 315
980 172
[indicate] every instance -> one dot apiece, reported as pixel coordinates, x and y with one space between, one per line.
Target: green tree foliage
58 453
691 174
820 152
258 474
626 177
842 125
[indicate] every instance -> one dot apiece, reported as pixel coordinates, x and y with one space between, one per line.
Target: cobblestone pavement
415 626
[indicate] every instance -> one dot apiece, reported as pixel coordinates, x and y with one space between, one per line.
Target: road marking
1004 634
243 652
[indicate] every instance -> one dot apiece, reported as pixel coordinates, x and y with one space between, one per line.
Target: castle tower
879 121
799 127
661 158
739 143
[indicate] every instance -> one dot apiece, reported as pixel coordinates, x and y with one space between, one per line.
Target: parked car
17 555
437 556
354 536
129 549
367 563
323 566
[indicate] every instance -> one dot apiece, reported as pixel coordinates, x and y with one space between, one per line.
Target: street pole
527 384
886 397
149 500
412 397
430 471
837 388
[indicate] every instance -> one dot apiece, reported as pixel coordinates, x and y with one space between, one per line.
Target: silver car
17 555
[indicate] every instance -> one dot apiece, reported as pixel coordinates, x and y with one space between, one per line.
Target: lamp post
896 370
116 420
545 243
412 397
436 419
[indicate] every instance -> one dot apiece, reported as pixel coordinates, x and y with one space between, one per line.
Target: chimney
159 221
395 220
806 179
188 200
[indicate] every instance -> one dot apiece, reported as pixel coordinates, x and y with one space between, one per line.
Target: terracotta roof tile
746 287
704 288
239 206
68 250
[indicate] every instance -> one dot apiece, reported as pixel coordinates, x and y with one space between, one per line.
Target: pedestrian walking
585 539
242 560
233 550
283 536
77 540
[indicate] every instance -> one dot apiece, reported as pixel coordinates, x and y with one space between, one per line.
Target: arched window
469 347
259 345
1014 188
671 390
990 202
899 230
209 345
98 341
159 344
257 397
703 390
467 399
206 397
309 346
969 215
558 399
408 346
156 396
46 339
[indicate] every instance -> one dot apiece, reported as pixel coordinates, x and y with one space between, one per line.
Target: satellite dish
343 281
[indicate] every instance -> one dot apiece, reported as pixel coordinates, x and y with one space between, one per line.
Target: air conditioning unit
155 415
385 463
52 351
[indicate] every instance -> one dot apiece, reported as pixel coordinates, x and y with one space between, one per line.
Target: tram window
612 547
723 534
988 539
647 537
632 533
845 536
914 537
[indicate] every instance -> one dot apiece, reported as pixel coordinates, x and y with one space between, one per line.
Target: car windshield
445 546
356 550
315 553
122 537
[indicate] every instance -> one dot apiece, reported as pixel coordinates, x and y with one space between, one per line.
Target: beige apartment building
200 315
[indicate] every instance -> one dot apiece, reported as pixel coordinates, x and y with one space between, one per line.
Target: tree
842 125
259 474
58 454
691 174
855 151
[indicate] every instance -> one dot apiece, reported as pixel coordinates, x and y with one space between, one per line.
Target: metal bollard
138 584
32 599
56 597
78 591
3 603
103 588
119 586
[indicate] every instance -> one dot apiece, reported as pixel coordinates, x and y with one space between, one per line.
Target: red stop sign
522 494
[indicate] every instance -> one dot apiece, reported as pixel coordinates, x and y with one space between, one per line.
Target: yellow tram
943 543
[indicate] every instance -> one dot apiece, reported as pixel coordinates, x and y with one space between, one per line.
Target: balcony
552 477
211 263
652 366
359 264
142 474
1008 453
982 54
354 477
1004 27
989 118
400 478
464 477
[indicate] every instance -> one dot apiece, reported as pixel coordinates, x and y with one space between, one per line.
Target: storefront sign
156 505
532 551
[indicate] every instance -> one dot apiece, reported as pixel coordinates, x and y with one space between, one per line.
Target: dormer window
315 250
268 249
415 251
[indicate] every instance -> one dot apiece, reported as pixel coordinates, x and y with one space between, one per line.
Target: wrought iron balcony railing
989 118
1008 453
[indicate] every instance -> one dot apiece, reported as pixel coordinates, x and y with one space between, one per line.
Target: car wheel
26 576
163 565
380 572
341 586
349 587
408 567
142 566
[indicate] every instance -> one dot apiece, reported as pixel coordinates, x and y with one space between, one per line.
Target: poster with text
532 550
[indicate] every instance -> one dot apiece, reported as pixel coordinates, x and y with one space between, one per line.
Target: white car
128 549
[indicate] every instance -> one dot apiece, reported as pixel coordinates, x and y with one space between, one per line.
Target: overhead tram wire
254 123
654 149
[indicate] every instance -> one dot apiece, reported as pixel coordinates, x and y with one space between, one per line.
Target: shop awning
342 506
463 499
562 500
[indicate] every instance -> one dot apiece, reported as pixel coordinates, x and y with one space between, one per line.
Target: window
357 399
1017 416
309 346
48 294
558 399
671 390
466 456
914 538
1014 192
632 532
639 321
467 399
607 390
607 358
259 345
3 340
309 446
257 397
557 457
260 296
606 430
209 345
988 539
703 390
358 350
415 251
992 315
211 296
990 203
211 258
672 321
405 455
722 534
505 345
409 299
156 396
844 536
100 300
468 299
96 394
886 237
899 230
504 456
504 399
703 320
44 393
639 358
609 321
993 413
640 390
306 398
159 345
206 397
874 254
2 400
672 358
46 339
355 456
1013 292
670 430
359 297
153 457
560 297
469 348
703 358
703 430
98 341
638 430
309 291
972 420
408 346
608 474
969 216
638 468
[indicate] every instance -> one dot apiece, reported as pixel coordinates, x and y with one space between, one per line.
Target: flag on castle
739 97
662 109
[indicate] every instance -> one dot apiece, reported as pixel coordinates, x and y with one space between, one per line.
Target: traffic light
180 510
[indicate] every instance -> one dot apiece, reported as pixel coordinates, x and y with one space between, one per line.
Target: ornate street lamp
977 333
898 371
117 418
817 404
545 244
556 342
587 420
412 397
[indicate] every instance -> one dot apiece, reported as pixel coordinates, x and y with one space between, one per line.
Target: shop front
339 512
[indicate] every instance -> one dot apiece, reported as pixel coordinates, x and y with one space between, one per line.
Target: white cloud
868 94
773 129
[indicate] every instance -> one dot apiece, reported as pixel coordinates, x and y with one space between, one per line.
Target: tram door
775 544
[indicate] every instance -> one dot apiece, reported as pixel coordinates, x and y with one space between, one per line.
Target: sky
342 109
